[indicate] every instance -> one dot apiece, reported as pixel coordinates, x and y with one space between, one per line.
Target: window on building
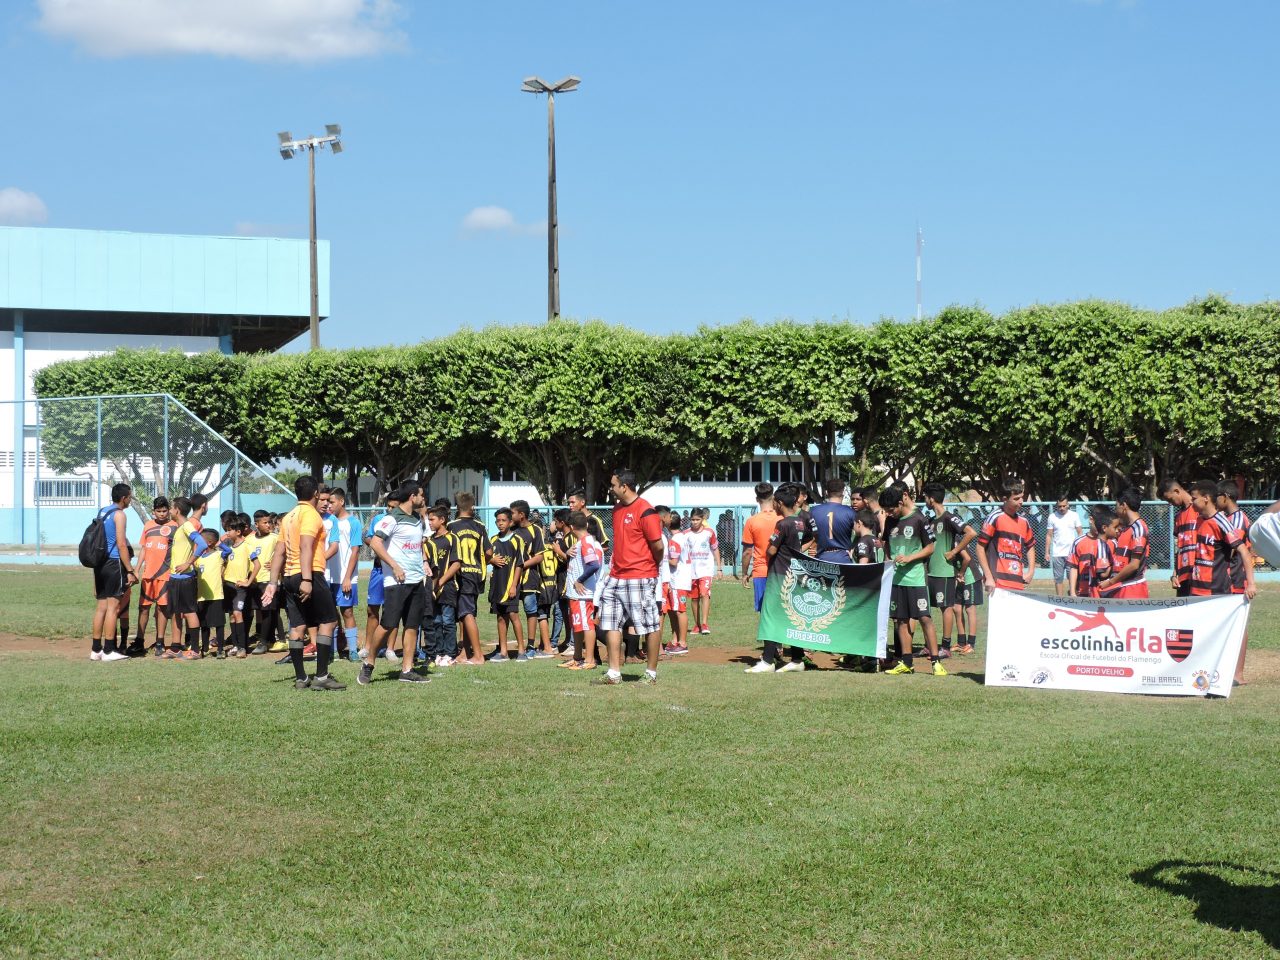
65 491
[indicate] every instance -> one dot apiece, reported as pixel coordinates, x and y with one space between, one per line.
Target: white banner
1180 646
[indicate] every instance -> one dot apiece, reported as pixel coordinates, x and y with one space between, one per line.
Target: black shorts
316 610
505 608
256 595
182 595
466 605
909 603
1184 588
402 605
973 594
109 581
211 613
943 593
238 600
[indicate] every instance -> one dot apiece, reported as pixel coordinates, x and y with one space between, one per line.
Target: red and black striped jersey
1007 541
1091 559
1184 533
1134 543
1216 545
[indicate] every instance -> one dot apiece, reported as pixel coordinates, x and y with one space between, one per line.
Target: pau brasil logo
810 603
1176 643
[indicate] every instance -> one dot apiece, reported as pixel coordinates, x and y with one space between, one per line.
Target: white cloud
297 30
499 220
19 208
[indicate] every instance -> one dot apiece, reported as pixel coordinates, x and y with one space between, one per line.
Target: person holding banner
1128 580
1185 523
911 543
1089 562
1220 547
1006 545
789 536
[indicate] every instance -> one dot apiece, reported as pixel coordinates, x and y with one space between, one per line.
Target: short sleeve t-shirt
1090 557
584 553
472 546
866 549
1133 543
789 537
402 535
682 575
345 532
1066 530
240 563
157 542
187 544
1185 525
532 543
1216 544
209 568
1007 540
635 526
266 547
948 530
446 554
704 550
755 535
833 528
302 521
910 534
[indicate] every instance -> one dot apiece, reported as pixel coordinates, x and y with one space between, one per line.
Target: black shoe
366 675
135 650
326 683
413 677
283 660
260 648
302 684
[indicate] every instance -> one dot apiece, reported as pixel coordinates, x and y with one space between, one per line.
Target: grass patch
160 809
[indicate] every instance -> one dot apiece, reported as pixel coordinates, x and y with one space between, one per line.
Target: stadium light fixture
288 147
536 85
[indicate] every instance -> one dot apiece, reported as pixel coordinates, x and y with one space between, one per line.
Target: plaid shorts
633 601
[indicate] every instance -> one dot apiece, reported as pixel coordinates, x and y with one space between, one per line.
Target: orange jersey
157 542
755 534
302 521
1008 541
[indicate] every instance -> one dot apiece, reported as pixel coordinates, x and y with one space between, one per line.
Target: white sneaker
389 654
113 656
444 661
760 667
95 654
791 667
362 653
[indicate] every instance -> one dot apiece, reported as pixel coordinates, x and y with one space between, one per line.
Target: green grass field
161 809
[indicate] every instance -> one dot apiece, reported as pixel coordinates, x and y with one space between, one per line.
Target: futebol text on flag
836 607
1180 646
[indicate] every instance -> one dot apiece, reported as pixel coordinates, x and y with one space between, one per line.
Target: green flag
836 607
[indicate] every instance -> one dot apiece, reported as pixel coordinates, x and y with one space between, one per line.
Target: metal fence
65 454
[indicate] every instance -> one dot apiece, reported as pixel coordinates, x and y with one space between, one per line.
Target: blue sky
721 160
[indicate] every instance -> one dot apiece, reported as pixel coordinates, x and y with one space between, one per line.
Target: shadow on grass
1226 895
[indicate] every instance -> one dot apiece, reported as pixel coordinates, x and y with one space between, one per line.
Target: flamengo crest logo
1178 643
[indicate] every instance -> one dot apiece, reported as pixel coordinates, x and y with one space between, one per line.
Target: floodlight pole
315 262
553 226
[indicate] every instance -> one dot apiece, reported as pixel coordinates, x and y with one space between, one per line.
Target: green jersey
948 530
910 534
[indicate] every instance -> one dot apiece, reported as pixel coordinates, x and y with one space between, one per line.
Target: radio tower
919 280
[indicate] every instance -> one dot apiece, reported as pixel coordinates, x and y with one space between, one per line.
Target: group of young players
545 583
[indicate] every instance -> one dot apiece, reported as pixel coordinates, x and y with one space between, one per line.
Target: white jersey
703 551
345 532
678 549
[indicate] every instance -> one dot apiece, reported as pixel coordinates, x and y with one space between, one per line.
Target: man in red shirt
630 592
1185 522
1006 545
1128 580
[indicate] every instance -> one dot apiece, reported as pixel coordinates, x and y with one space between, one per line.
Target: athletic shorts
154 592
259 589
943 593
228 591
402 605
1059 565
973 594
701 587
757 591
211 613
581 614
466 604
182 595
342 600
632 601
109 580
375 588
1184 588
317 609
908 603
239 601
675 598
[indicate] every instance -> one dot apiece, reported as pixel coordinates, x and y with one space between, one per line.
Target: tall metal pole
919 276
553 241
315 270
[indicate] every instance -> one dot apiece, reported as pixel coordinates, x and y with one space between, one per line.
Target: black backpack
93 545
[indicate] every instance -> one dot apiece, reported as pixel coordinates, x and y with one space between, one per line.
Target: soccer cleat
760 667
169 655
965 648
938 669
900 669
412 676
606 681
188 655
944 653
95 655
705 629
302 684
135 650
283 660
326 683
278 647
260 648
648 679
792 667
309 650
366 674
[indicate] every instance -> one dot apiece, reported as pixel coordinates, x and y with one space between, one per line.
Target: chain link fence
65 455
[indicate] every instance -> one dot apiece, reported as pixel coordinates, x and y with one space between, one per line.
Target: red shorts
580 615
701 588
154 592
1129 591
673 599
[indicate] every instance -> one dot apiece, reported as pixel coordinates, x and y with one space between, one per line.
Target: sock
219 637
97 644
204 639
908 659
109 644
946 643
353 639
324 654
295 657
614 674
124 634
651 673
193 638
